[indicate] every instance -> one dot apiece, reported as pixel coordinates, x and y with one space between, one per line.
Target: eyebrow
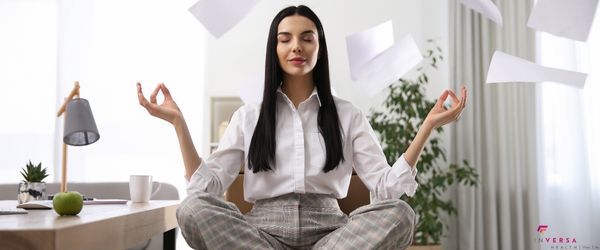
303 33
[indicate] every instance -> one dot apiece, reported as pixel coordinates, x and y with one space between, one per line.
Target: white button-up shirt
300 156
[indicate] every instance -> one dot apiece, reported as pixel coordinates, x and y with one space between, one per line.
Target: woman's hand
440 115
437 117
167 110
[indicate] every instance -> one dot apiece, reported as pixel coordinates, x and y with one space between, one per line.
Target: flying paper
485 8
508 68
376 61
219 16
566 18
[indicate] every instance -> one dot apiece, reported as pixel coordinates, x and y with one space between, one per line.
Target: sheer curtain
496 133
28 85
569 159
108 46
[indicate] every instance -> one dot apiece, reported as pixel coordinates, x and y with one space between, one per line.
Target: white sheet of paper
566 18
508 68
390 65
376 61
363 46
486 8
219 16
251 91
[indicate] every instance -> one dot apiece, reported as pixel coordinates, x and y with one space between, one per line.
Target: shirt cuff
405 175
199 180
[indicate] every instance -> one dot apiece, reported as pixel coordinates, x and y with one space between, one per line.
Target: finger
142 100
154 93
464 94
442 99
455 99
165 91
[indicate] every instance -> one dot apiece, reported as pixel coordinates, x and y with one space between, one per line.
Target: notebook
36 204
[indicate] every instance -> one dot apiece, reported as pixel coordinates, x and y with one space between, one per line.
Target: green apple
69 203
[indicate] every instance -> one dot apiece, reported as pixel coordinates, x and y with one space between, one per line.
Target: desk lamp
80 127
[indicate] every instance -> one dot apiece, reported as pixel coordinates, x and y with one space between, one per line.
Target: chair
358 195
105 190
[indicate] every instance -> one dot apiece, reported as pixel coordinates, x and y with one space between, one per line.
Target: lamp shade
80 127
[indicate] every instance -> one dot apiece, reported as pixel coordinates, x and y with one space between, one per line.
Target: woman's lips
297 61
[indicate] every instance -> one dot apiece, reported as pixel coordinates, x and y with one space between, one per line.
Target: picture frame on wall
221 110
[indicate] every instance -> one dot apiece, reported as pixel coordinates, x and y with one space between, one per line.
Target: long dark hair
261 156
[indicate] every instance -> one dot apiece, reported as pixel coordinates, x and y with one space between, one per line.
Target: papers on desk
486 8
566 18
219 16
36 204
376 61
12 210
508 68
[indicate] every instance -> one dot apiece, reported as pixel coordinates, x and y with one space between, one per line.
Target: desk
115 226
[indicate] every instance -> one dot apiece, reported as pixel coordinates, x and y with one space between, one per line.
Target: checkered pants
294 221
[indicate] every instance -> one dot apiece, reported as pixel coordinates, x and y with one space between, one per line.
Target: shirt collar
314 94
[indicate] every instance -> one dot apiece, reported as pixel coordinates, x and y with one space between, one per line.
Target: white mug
140 188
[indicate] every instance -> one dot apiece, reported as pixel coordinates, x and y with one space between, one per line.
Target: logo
553 240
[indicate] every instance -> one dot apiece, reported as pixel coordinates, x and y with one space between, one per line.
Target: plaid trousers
294 221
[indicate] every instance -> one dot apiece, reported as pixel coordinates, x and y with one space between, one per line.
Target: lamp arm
74 92
61 110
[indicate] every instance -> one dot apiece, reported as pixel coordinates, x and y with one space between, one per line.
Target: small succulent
33 173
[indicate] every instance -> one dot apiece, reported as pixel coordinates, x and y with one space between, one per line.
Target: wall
240 53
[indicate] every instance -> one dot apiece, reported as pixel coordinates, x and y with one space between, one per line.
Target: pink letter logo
542 228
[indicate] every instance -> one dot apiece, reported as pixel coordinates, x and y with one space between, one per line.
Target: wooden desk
96 227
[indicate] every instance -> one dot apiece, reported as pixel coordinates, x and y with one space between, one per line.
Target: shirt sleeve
370 164
219 170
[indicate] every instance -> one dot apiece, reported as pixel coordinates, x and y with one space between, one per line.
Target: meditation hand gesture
440 115
168 110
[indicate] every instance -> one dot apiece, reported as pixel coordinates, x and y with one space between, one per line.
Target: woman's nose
297 48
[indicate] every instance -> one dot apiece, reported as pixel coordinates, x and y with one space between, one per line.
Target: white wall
225 72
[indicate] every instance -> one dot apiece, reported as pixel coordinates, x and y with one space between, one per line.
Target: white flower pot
29 191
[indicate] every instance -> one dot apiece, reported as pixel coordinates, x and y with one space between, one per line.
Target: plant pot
425 247
29 191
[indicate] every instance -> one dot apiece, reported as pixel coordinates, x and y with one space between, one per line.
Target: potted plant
404 109
32 187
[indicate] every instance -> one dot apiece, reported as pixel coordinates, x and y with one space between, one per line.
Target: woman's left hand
440 115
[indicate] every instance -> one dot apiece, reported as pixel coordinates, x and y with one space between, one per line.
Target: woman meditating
299 147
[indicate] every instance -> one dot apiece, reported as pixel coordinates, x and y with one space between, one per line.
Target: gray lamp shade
80 127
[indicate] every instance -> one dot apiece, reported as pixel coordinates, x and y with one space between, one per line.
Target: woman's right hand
167 110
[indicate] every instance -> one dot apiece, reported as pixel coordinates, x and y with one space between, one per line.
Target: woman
300 147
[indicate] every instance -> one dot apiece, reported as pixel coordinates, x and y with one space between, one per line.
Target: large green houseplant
404 109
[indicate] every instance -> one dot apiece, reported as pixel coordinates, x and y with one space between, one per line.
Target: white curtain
28 85
496 133
569 159
108 46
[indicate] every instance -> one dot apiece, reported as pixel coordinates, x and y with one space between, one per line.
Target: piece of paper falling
376 61
508 68
486 8
219 16
566 18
